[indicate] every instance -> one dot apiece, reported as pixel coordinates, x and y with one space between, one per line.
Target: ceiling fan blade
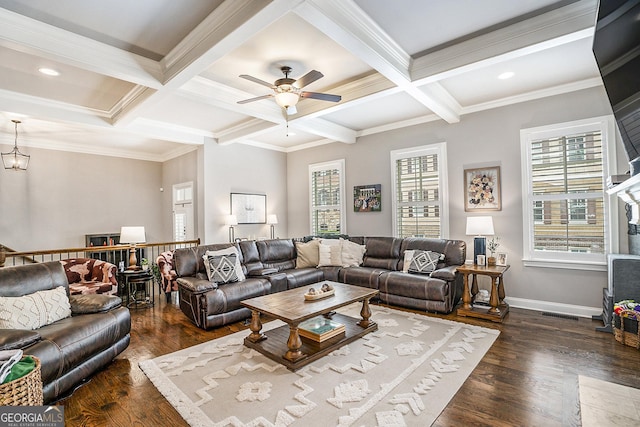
308 78
257 98
257 80
321 96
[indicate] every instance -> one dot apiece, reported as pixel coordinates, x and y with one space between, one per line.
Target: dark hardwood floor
528 378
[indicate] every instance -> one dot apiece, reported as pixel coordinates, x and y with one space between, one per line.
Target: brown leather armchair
73 348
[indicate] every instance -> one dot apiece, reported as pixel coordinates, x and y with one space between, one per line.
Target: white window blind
326 181
419 175
565 203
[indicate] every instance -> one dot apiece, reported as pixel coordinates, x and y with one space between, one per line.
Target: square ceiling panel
441 21
546 69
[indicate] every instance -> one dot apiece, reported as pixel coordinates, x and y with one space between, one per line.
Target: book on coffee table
320 329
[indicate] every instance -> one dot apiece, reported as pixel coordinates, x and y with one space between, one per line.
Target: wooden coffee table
284 344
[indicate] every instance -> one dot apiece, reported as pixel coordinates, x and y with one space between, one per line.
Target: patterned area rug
403 374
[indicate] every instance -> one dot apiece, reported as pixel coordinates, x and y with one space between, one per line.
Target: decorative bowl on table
325 291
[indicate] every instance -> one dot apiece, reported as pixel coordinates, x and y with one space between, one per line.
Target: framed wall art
367 198
249 208
482 189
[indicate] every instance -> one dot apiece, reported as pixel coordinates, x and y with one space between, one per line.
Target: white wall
239 168
488 137
177 171
63 196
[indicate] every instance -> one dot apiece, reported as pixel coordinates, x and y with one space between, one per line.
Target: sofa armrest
447 273
196 285
93 303
12 339
262 272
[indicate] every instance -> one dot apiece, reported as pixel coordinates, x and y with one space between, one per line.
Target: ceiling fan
288 91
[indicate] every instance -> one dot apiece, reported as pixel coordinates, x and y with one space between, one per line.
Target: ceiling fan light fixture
287 99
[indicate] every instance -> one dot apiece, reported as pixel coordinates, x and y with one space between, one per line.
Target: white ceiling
152 79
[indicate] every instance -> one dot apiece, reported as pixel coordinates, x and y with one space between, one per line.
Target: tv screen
616 46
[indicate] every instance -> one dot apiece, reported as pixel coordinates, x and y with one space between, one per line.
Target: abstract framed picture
367 198
482 189
249 208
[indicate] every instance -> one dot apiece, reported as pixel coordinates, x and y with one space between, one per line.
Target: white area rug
604 403
403 374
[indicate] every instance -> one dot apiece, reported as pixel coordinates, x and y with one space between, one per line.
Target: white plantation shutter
326 181
419 207
565 202
567 179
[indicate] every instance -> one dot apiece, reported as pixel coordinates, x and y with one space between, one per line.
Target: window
183 220
419 205
326 181
567 214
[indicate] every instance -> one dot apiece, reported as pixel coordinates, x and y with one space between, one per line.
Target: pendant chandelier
14 159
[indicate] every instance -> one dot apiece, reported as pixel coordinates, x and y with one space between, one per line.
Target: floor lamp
479 226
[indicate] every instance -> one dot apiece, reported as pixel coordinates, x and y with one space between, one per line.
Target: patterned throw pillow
34 310
424 262
222 268
228 252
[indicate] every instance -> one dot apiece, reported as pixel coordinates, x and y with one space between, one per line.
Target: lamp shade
272 219
231 220
480 226
132 235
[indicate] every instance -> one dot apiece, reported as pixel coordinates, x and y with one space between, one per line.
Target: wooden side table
136 284
497 307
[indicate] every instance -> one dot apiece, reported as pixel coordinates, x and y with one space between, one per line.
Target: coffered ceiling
152 79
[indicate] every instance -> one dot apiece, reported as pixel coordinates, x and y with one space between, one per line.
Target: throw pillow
329 255
34 310
222 268
237 270
352 254
308 254
424 262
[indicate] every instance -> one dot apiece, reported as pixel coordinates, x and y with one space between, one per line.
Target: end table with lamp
497 307
137 288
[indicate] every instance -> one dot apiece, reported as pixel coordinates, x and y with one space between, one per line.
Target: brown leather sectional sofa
270 266
73 348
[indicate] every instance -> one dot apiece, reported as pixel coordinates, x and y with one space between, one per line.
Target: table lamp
272 220
479 226
231 220
132 235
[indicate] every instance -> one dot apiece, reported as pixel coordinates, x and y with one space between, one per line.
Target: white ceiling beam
345 23
222 96
226 28
18 32
246 131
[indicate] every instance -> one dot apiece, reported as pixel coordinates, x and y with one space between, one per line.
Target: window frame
440 150
325 166
559 259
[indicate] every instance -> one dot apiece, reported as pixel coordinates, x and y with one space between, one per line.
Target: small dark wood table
136 284
497 307
284 344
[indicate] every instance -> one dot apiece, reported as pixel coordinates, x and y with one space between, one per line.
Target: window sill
567 265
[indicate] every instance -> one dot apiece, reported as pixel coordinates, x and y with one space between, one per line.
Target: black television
616 46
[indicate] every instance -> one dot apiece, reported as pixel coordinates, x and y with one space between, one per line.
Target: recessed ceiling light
49 71
506 75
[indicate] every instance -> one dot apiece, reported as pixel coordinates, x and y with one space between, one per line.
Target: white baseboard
554 307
